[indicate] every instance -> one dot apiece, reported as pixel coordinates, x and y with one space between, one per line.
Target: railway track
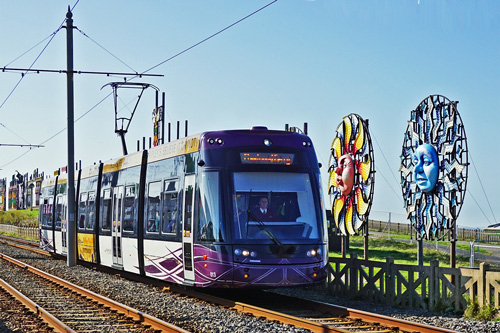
77 308
311 315
23 244
22 314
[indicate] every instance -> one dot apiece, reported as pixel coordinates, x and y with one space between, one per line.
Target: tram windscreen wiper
264 228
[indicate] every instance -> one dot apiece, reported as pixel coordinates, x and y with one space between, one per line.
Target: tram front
275 233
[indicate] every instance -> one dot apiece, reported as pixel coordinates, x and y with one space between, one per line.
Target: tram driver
263 212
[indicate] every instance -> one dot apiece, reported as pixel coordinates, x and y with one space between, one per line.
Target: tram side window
154 207
41 215
50 207
46 216
59 211
209 222
91 211
129 209
106 210
170 206
82 210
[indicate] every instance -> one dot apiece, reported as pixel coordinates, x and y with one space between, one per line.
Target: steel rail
319 324
29 245
52 321
122 308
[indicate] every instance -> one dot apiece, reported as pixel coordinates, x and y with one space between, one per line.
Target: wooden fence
409 286
27 232
463 234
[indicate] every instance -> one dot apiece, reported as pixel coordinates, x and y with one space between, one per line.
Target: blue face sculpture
426 167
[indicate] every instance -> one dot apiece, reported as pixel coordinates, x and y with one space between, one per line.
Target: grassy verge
460 245
20 218
403 253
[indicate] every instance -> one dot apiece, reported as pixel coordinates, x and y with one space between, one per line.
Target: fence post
481 284
353 283
433 284
390 286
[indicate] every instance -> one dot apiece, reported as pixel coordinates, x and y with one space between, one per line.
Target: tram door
61 221
116 232
187 225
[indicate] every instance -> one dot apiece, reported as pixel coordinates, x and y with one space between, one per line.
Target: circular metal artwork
434 168
351 175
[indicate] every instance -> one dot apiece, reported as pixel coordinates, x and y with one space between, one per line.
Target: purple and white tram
187 211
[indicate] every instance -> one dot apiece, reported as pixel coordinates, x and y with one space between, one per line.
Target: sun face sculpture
351 175
433 167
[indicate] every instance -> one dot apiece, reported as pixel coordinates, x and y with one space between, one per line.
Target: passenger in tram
169 226
153 223
81 221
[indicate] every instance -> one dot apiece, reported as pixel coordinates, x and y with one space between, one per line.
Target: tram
233 208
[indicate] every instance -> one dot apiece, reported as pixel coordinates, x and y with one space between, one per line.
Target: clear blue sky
295 61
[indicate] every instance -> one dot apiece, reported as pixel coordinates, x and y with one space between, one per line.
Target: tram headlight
211 141
245 253
219 141
312 253
268 142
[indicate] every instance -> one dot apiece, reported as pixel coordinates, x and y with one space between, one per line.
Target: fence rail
28 232
410 286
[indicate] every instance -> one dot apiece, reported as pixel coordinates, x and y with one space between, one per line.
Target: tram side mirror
320 165
201 163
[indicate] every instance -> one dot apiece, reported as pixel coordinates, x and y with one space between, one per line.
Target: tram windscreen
274 205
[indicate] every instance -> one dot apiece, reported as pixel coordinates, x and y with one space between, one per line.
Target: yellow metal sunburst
364 169
361 204
360 138
338 205
347 131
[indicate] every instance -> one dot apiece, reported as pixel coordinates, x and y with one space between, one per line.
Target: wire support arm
62 71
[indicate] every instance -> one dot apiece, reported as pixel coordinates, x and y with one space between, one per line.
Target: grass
403 253
20 218
461 246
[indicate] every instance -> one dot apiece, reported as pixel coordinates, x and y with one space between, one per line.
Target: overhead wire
481 183
210 37
148 70
388 165
1 124
19 57
60 131
477 203
31 66
102 47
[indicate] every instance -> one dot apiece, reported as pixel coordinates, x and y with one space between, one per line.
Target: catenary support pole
71 227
